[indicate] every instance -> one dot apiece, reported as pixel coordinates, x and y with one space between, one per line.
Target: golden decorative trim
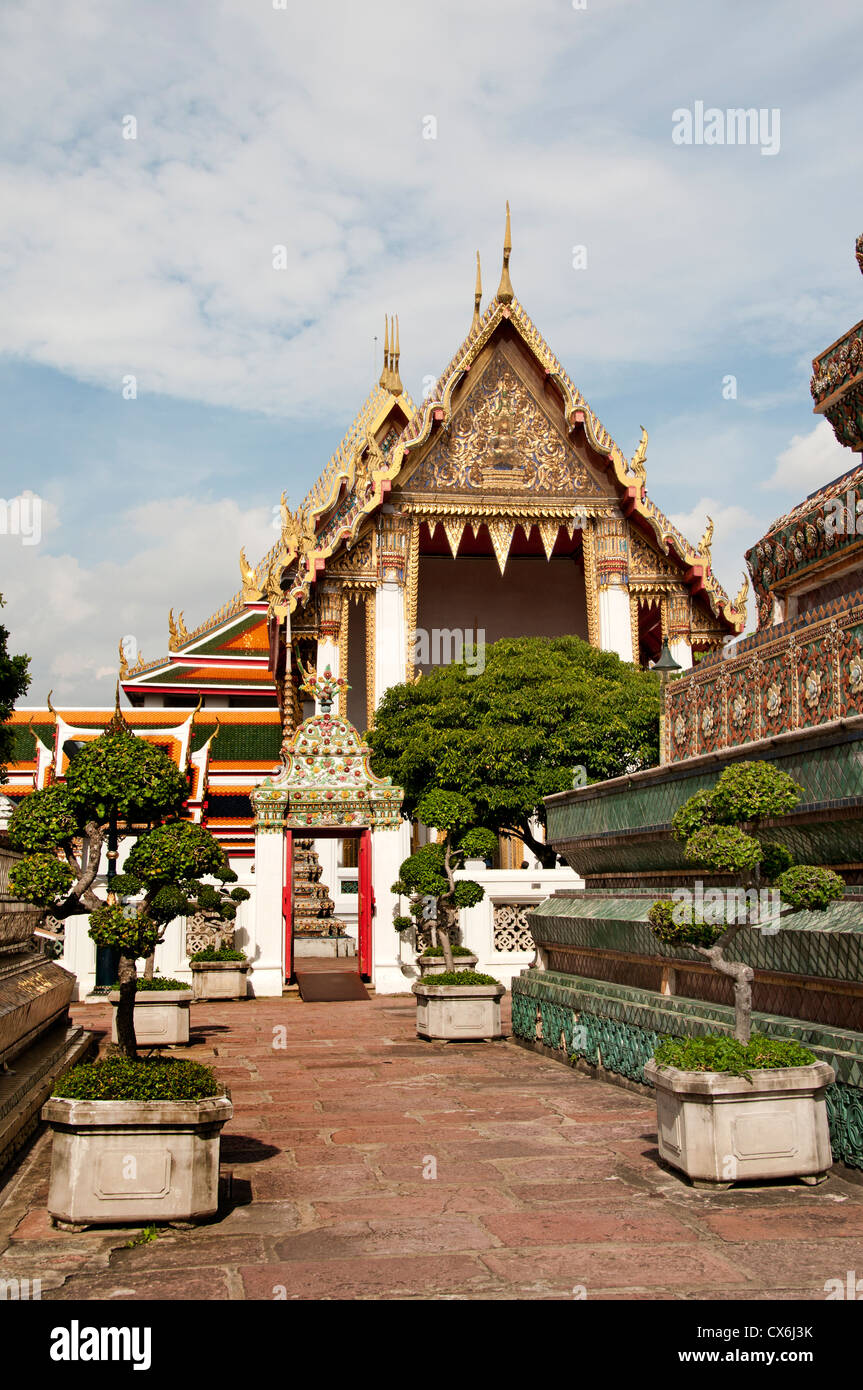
370 658
633 618
412 596
343 653
588 542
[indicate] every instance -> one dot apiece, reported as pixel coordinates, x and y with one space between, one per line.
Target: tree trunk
448 911
128 976
742 975
149 966
443 933
544 853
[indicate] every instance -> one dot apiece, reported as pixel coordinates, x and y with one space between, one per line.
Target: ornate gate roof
327 780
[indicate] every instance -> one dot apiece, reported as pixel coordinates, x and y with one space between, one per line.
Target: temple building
499 506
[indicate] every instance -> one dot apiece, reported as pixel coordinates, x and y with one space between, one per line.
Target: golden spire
504 290
395 382
477 297
384 380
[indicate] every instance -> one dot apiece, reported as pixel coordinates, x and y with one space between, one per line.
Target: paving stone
420 1277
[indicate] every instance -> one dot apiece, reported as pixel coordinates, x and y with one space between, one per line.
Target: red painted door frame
365 891
366 904
287 904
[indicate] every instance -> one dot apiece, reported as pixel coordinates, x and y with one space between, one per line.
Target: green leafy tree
14 682
430 871
723 831
513 733
119 782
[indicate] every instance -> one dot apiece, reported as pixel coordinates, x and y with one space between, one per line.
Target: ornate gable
502 439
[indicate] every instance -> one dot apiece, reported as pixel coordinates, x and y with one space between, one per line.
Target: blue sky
304 127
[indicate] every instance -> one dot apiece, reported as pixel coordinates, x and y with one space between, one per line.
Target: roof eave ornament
477 297
505 293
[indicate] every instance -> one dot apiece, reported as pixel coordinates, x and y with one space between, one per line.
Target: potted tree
134 1140
455 1004
747 1106
220 972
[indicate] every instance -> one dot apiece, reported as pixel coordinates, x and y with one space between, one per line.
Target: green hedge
719 1053
218 953
119 1078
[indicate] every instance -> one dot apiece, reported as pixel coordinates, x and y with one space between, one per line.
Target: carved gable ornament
500 440
327 781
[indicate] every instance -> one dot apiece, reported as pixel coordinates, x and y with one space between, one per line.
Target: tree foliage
510 735
711 824
122 782
430 871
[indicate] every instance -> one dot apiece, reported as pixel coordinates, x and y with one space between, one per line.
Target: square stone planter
436 965
161 1016
720 1129
134 1161
220 979
458 1013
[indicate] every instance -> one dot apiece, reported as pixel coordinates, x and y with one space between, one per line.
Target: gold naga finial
384 379
181 627
740 601
706 540
396 387
637 462
477 297
51 708
124 664
251 587
173 633
505 294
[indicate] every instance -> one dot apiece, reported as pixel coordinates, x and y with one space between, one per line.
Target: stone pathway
362 1163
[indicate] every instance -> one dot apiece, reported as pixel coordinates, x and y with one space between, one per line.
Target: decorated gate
326 788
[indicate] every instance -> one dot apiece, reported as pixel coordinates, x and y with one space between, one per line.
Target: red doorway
366 897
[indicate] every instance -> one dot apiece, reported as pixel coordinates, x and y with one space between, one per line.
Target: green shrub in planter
218 953
461 977
435 951
157 983
122 1078
718 1052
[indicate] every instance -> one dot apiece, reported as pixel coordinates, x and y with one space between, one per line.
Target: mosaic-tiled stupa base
312 904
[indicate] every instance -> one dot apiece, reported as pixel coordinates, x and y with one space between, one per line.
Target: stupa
317 931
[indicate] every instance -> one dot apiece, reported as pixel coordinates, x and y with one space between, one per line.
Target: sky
162 381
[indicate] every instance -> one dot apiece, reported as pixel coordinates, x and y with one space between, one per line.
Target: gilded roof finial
477 297
395 380
384 380
504 290
118 723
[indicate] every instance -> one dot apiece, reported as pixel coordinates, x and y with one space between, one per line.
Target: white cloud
70 616
810 461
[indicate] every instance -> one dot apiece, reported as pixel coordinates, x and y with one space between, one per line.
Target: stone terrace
548 1183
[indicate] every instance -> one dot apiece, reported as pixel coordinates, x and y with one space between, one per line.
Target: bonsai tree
510 734
430 871
14 682
115 781
724 833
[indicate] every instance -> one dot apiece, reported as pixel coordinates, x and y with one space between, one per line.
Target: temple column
611 567
389 619
679 619
389 849
267 947
329 629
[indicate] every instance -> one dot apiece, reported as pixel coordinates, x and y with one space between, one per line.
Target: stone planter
458 1013
220 979
436 965
720 1129
161 1016
134 1161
